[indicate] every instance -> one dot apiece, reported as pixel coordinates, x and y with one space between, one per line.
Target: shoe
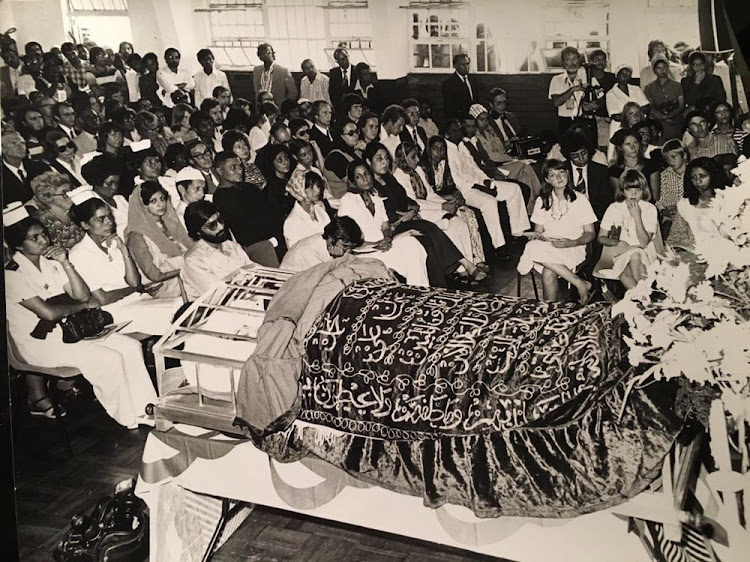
40 411
484 267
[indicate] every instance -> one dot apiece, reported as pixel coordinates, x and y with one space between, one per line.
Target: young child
672 178
628 232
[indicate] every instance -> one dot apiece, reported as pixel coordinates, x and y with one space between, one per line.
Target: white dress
617 214
113 365
299 224
106 271
406 257
569 225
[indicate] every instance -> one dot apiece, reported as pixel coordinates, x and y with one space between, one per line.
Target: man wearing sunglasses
214 255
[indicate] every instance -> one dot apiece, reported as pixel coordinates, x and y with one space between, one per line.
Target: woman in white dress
42 287
620 94
563 226
404 254
628 232
105 263
308 216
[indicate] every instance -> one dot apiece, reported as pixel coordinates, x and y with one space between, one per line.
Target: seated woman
368 128
261 132
214 254
61 155
149 166
276 167
309 215
110 139
149 126
444 259
350 109
340 237
52 204
181 113
701 87
435 209
42 287
630 157
338 159
628 232
665 98
692 222
305 158
236 142
156 238
563 225
102 173
403 253
105 264
724 120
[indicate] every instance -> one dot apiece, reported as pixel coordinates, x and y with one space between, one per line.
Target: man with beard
214 254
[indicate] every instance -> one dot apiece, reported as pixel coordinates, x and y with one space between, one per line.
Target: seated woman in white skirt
404 254
108 269
43 287
309 215
628 232
563 225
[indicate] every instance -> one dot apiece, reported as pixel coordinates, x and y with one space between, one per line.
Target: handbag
84 324
115 531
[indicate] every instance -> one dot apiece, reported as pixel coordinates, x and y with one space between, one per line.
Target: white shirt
120 214
205 84
315 90
616 98
168 81
464 170
561 83
206 265
258 136
306 253
431 207
391 142
353 206
299 224
132 80
98 269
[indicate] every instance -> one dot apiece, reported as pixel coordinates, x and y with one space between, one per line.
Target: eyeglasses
65 147
303 132
213 225
205 154
61 194
350 134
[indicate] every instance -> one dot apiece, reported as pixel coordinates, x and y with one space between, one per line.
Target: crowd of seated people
143 184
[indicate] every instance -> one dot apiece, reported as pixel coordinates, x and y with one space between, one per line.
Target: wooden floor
51 488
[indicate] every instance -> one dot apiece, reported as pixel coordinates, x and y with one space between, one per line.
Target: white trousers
513 196
487 205
146 315
408 258
114 367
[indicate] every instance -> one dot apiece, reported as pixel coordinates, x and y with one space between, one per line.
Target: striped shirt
716 144
672 187
318 90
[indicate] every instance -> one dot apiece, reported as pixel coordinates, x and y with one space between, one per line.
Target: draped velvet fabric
506 406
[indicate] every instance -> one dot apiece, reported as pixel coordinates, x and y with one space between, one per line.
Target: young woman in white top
308 216
404 254
628 232
563 225
43 287
103 174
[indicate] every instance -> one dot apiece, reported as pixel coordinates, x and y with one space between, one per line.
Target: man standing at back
173 77
208 77
460 91
273 78
314 85
343 77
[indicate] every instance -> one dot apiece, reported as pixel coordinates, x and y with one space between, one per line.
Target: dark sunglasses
350 134
303 132
65 147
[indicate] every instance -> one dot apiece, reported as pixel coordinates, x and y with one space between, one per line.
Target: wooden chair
533 284
50 374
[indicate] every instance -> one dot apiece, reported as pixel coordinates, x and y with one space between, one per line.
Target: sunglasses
303 132
67 146
350 134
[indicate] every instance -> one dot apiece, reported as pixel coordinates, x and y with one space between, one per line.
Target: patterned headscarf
416 182
296 188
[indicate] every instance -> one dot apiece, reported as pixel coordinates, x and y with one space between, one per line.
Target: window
297 29
439 32
100 21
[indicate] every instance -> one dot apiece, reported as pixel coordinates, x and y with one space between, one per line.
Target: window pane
441 56
421 56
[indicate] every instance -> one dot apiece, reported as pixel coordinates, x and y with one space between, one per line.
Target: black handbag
84 324
116 531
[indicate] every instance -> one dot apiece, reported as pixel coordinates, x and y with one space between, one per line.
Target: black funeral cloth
506 406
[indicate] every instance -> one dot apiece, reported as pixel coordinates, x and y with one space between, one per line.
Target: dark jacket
405 135
601 193
336 86
456 97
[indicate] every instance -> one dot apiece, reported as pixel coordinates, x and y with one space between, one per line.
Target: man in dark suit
15 174
586 176
342 78
65 117
368 87
460 90
320 132
413 131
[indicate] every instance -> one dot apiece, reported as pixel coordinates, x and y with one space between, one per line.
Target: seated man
706 143
340 237
214 254
480 190
322 113
191 185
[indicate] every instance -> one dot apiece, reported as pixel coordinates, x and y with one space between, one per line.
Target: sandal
484 267
36 410
480 276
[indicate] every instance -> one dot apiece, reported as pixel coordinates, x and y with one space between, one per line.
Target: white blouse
98 269
353 206
299 224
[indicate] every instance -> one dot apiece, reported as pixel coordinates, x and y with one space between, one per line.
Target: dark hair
104 130
718 177
82 213
135 58
392 114
574 140
241 103
173 152
296 124
409 102
314 178
366 116
197 117
546 192
316 106
203 53
269 154
99 168
696 55
697 113
218 90
236 119
56 108
170 50
196 215
372 148
208 104
296 145
741 119
262 47
360 66
267 108
222 157
345 229
15 234
348 101
598 53
276 127
149 189
353 165
192 144
51 136
288 106
230 138
569 51
95 52
652 45
150 56
459 56
120 114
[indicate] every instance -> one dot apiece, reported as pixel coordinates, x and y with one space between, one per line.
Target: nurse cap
13 213
81 194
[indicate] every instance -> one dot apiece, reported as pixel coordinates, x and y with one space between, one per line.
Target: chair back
16 360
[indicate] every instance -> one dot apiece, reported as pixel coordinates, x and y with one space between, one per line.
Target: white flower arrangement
697 326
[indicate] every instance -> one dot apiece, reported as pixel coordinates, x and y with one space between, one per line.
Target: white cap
188 173
14 212
81 194
303 100
88 157
140 145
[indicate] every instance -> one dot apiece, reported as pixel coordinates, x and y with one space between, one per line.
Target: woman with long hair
563 226
180 125
102 173
629 156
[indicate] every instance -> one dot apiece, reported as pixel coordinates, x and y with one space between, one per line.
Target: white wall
45 21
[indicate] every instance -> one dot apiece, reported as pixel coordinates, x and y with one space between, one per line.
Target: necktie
346 79
21 175
580 184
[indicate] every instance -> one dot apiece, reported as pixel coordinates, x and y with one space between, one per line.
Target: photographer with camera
566 90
